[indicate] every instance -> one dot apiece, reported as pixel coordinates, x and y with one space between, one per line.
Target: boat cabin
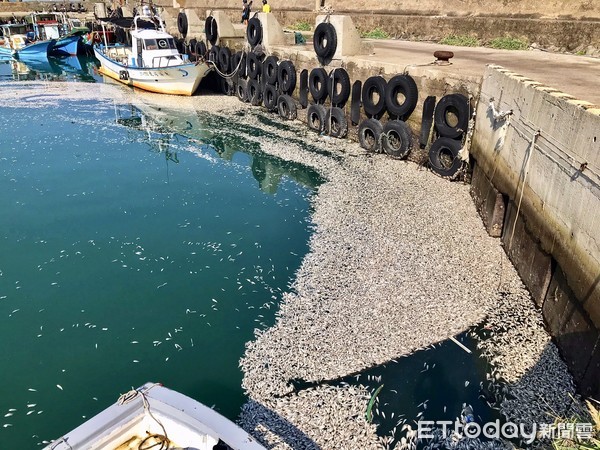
49 25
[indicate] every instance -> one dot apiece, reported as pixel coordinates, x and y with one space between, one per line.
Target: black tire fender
270 69
325 40
286 75
303 89
374 86
201 49
405 85
355 102
339 87
254 31
369 134
241 90
254 92
270 96
182 24
458 105
315 117
213 54
211 30
317 84
426 120
254 65
286 106
396 139
443 157
336 124
224 59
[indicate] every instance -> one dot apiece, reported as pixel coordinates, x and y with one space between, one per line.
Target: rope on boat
162 439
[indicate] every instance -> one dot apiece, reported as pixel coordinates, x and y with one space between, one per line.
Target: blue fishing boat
15 43
55 25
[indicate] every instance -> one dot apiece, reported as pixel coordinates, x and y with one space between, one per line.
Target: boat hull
66 46
35 50
176 80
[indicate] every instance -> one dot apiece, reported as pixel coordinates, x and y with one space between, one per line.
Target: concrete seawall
536 183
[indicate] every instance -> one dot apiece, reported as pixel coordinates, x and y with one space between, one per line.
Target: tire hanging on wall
211 30
213 54
315 117
270 69
286 106
254 92
355 102
201 49
224 59
286 75
443 157
426 120
303 89
241 90
369 133
182 24
254 31
325 42
270 96
336 124
396 138
339 87
254 65
317 84
405 85
458 105
372 86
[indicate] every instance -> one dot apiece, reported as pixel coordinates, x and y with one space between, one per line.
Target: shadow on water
224 139
73 68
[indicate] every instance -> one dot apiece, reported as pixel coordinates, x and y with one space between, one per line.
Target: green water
129 256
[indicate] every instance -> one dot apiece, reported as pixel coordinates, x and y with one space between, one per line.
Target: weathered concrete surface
547 160
488 201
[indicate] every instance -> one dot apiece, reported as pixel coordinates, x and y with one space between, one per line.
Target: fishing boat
153 416
56 25
16 44
152 61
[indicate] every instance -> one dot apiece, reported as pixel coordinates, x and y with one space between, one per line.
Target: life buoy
443 157
286 75
405 86
286 106
211 30
325 41
369 133
182 23
315 117
270 69
336 124
455 105
270 97
339 87
254 31
396 138
374 86
317 84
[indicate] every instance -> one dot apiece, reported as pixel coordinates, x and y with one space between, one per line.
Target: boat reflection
169 129
73 68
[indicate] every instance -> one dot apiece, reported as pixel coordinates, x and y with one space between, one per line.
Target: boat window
150 44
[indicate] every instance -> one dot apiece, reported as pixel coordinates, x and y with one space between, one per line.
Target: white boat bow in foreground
153 416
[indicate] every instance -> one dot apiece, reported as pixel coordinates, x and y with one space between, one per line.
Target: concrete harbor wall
537 186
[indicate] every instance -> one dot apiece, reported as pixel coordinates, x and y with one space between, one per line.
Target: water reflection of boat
78 68
223 140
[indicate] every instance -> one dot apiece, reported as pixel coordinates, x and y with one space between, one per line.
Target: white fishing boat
152 62
154 417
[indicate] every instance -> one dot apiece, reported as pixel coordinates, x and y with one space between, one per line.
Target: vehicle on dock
15 43
152 62
153 416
